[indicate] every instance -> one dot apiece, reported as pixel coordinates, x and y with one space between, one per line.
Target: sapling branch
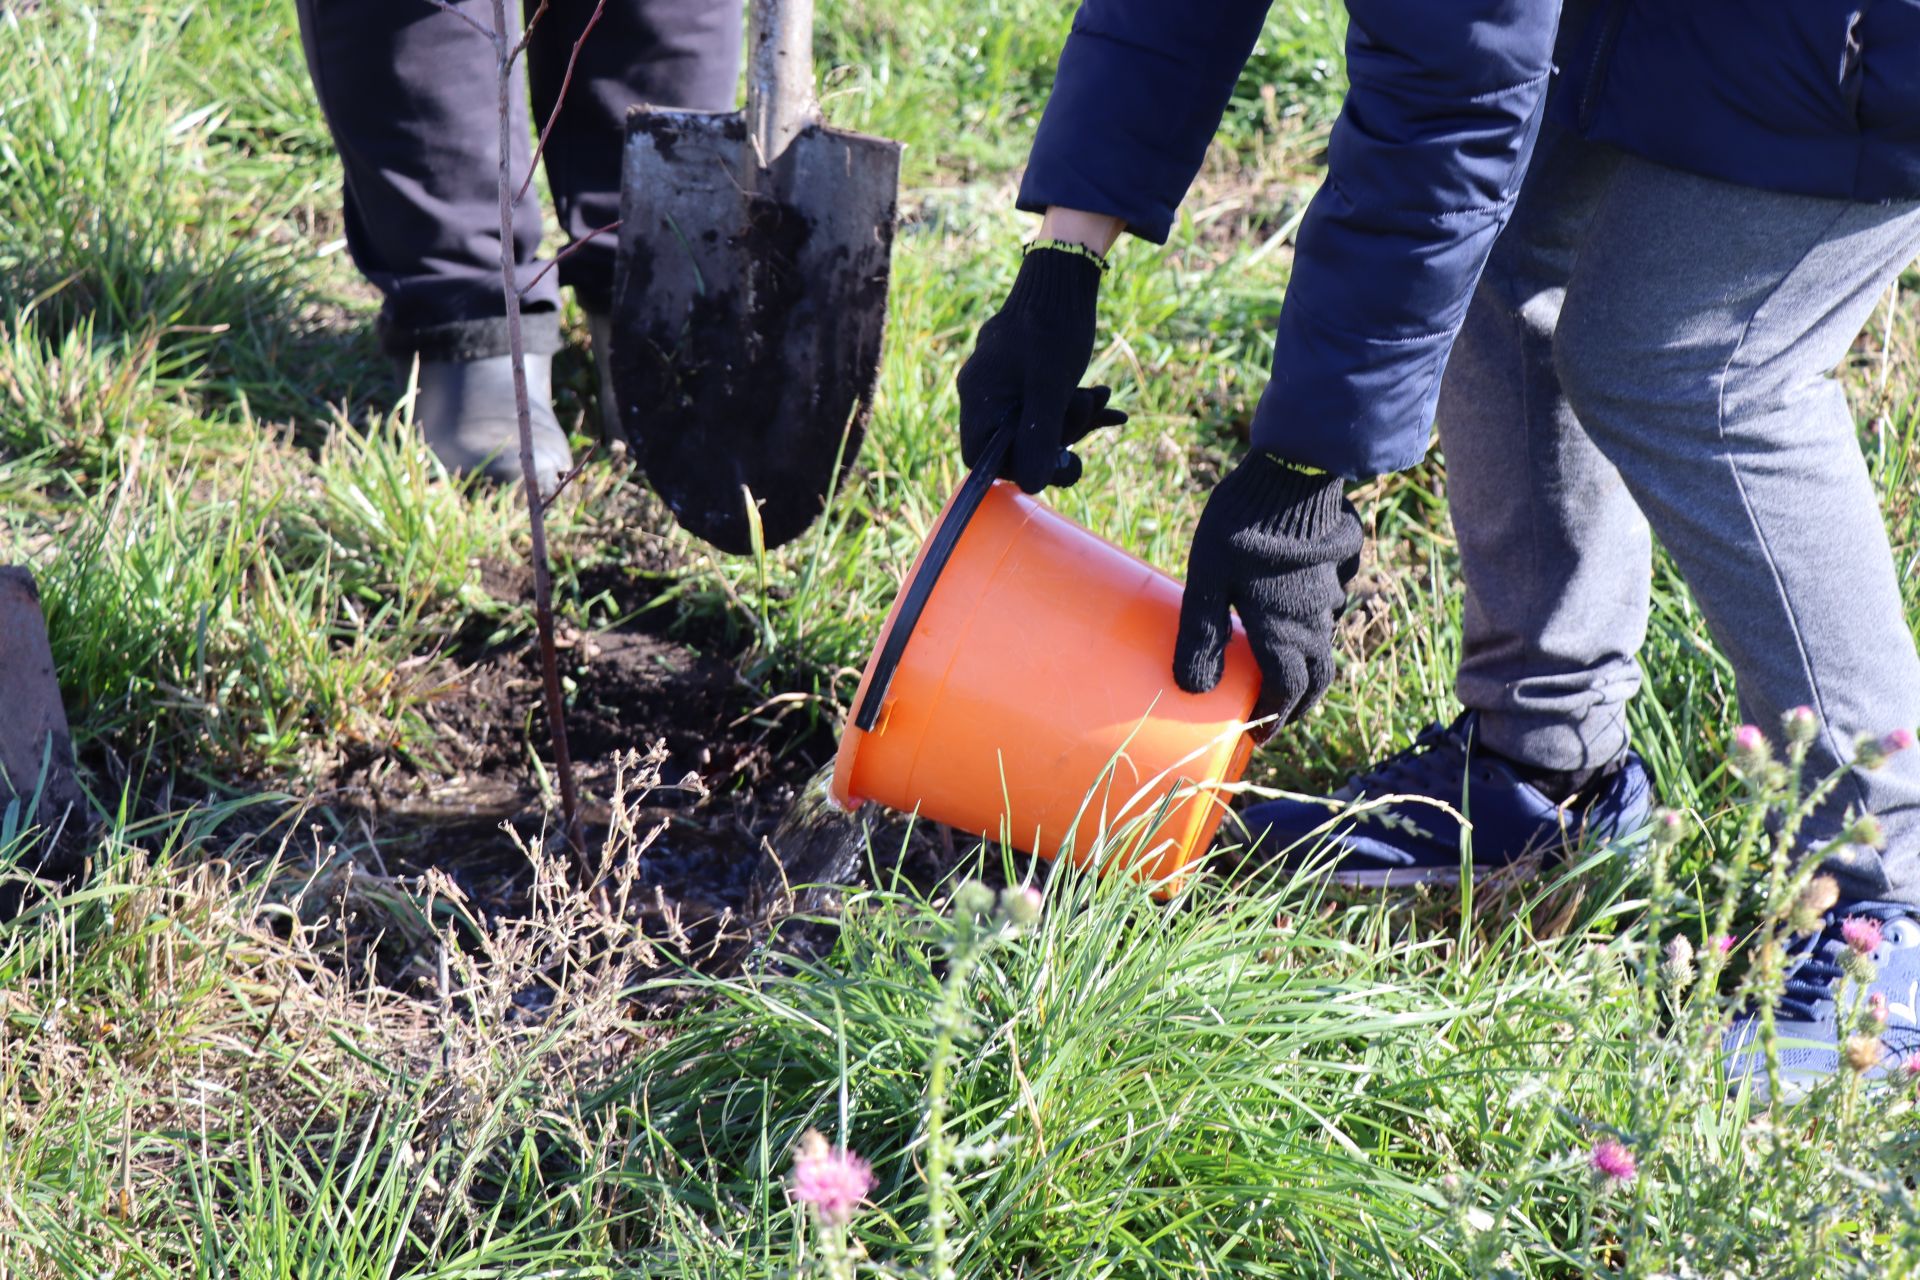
568 477
559 99
505 52
565 253
526 36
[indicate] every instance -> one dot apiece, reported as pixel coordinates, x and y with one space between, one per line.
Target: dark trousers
411 94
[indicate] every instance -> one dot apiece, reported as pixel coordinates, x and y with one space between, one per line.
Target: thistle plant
1795 895
1768 872
832 1182
978 923
1613 1164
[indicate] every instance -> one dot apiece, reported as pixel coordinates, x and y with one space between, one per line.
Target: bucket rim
846 755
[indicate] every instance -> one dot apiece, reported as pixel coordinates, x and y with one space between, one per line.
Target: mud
727 778
733 756
742 832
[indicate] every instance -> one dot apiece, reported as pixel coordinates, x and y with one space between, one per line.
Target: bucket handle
913 600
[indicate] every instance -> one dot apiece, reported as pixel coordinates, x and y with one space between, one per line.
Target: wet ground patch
638 701
701 790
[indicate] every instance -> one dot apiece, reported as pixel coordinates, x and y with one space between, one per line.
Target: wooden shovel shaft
780 100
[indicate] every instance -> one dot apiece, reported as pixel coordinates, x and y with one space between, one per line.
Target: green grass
252 572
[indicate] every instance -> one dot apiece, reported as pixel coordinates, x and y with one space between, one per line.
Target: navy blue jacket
1820 97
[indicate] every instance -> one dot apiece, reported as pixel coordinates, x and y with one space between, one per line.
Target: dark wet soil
733 757
631 694
648 694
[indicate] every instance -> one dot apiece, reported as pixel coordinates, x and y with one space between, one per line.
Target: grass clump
241 1045
110 219
1262 1079
1074 1079
255 626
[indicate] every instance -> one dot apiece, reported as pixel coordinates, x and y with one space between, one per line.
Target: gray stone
31 716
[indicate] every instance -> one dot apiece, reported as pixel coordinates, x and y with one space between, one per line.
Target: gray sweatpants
1651 346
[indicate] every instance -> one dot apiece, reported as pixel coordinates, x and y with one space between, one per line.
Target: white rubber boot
465 411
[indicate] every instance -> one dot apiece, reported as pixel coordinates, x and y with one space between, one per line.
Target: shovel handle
780 101
913 600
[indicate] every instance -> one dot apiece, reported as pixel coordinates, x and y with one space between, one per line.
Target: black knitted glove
1279 545
1025 372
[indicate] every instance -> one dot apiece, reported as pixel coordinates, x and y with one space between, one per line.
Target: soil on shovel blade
719 381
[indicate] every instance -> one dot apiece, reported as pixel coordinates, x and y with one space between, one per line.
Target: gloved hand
1279 545
1025 372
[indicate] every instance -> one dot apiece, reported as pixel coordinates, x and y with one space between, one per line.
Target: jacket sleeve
1422 169
1139 92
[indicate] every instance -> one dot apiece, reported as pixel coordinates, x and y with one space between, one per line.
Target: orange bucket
1023 690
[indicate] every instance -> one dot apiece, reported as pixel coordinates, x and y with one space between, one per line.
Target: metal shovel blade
748 315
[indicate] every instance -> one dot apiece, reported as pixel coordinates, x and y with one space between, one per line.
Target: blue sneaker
1406 842
1808 1017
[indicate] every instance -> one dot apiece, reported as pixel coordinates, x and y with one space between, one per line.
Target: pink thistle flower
1613 1162
1021 905
1862 933
1801 724
1876 1011
1911 1067
1871 752
1861 1053
1669 828
1723 942
1750 751
831 1179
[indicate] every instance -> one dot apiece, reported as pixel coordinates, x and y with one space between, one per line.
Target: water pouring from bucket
1022 689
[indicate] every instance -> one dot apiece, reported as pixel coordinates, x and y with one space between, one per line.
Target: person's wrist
1068 247
1095 231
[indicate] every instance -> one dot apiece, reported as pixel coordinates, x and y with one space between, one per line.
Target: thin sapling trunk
506 51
